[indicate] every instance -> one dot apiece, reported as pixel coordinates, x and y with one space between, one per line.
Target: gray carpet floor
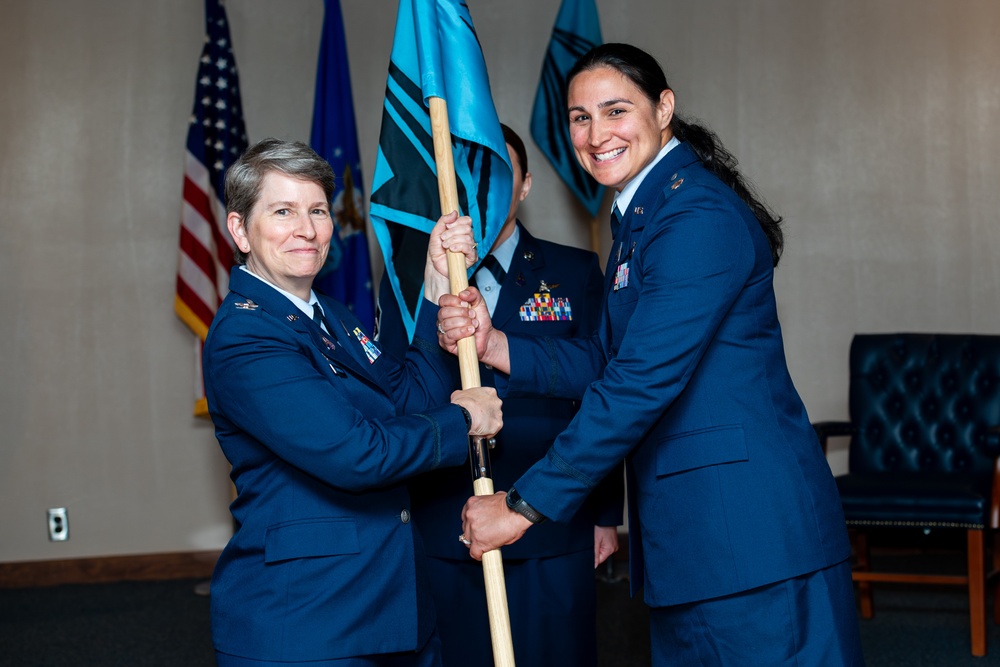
164 624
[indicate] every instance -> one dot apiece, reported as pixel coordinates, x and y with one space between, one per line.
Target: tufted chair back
925 403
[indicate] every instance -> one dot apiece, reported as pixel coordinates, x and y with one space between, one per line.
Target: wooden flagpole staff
468 363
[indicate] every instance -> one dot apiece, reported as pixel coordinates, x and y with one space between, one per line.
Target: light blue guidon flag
435 53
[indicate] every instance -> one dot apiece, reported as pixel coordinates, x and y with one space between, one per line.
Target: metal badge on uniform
337 370
621 277
330 345
293 318
543 308
371 350
246 305
637 210
677 184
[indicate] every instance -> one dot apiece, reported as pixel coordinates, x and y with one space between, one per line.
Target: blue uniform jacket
728 487
324 562
530 424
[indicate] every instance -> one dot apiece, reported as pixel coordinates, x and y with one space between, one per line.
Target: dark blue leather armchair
925 442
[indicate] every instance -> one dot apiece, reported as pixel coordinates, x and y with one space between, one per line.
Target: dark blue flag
347 274
435 53
576 31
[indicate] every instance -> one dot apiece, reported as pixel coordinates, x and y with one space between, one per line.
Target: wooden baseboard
143 567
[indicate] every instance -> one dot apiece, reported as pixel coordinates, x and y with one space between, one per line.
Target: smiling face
287 234
616 130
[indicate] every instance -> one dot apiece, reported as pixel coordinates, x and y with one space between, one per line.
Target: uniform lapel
349 346
640 208
522 279
340 347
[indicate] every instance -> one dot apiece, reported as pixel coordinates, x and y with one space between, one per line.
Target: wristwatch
518 504
468 419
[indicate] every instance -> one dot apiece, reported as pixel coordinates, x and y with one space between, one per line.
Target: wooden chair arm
827 430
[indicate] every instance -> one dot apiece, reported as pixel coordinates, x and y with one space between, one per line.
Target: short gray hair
245 177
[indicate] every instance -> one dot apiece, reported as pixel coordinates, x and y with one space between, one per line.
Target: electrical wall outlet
58 524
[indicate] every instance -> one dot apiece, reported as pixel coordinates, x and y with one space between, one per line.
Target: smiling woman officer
736 527
322 430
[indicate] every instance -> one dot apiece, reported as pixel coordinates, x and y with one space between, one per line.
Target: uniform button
404 516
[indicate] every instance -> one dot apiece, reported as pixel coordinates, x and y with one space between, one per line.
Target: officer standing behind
536 288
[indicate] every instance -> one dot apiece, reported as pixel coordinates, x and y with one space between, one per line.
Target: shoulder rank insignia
246 305
637 210
293 317
371 350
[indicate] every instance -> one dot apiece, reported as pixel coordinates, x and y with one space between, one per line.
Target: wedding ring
464 540
440 329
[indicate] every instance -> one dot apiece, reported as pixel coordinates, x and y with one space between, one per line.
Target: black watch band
468 419
518 504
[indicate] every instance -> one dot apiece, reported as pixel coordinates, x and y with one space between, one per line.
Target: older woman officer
735 522
322 431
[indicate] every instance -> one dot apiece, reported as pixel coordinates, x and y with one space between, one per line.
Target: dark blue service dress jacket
324 562
728 488
573 285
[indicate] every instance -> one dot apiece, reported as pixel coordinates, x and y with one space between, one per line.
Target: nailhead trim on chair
915 524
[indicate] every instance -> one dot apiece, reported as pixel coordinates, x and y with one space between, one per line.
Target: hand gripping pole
468 362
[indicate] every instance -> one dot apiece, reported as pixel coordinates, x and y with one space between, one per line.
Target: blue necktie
319 319
616 221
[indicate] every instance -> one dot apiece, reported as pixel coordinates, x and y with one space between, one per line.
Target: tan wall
870 125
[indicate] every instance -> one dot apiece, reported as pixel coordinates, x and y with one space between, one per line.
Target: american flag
216 137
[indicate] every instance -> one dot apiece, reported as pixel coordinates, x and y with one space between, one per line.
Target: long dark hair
643 70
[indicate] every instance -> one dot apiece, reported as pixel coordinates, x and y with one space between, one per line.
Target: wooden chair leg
977 591
996 576
863 555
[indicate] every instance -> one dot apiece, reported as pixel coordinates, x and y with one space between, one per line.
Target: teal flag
576 31
347 274
435 53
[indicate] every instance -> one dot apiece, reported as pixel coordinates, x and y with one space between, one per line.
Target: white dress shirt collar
624 198
304 306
